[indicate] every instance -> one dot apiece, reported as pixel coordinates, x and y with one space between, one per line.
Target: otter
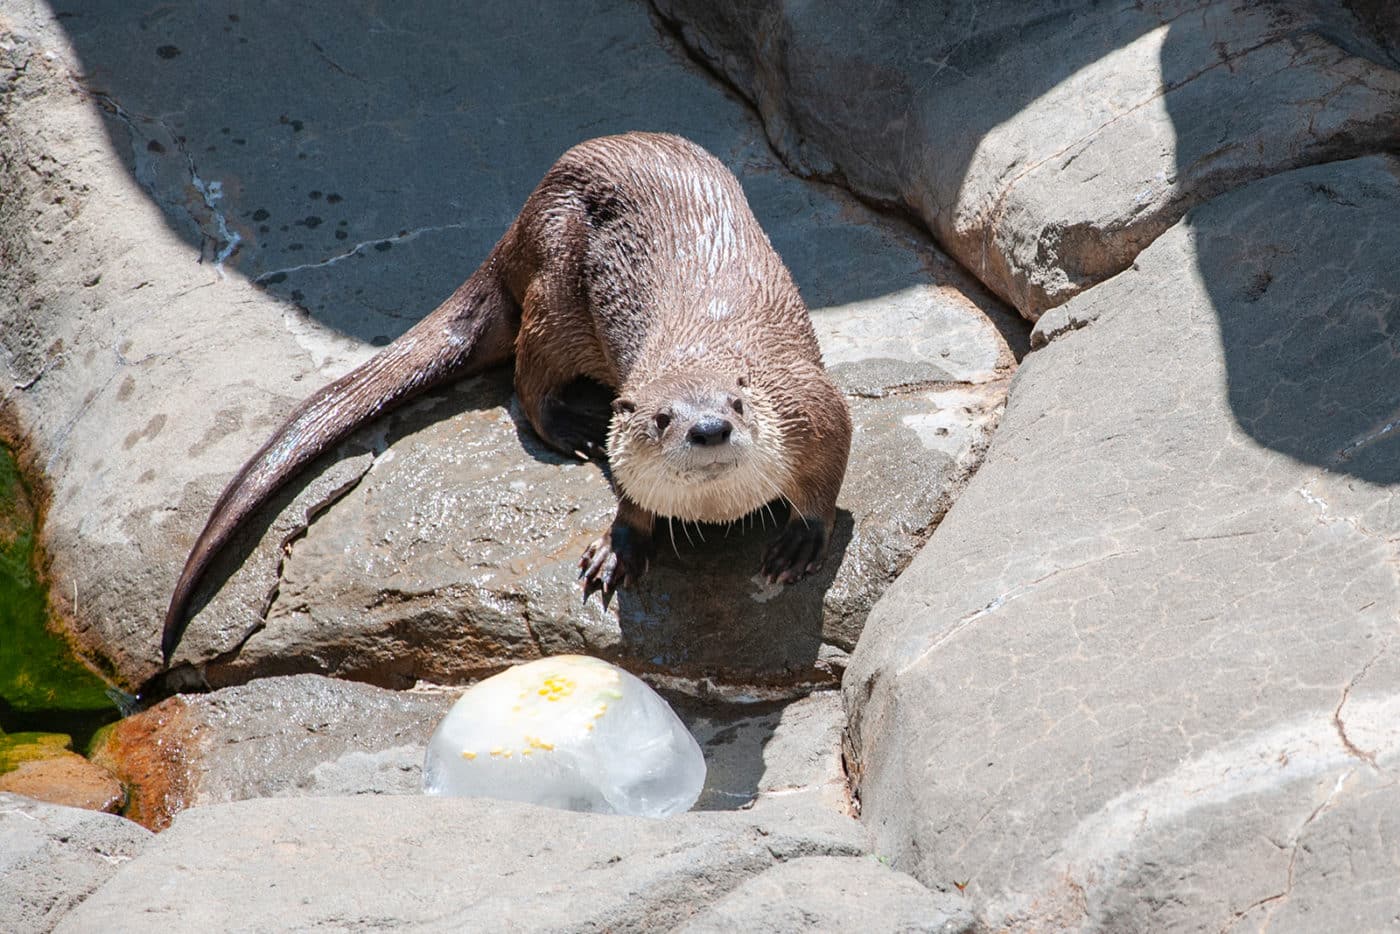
637 266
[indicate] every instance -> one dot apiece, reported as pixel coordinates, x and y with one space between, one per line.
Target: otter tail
471 331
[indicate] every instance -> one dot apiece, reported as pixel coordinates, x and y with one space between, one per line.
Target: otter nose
710 431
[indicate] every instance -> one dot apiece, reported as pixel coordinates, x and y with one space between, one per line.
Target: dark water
43 689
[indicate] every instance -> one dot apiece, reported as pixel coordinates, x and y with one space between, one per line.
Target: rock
298 735
1046 144
44 766
69 780
762 758
52 857
238 251
308 735
1142 676
377 862
833 893
459 551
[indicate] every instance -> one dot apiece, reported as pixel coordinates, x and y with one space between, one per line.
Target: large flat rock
834 893
442 864
184 264
1043 143
53 857
307 735
1143 675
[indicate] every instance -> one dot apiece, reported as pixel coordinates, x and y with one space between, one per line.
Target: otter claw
613 562
798 552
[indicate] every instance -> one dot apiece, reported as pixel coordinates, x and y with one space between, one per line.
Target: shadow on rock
360 162
1316 380
704 607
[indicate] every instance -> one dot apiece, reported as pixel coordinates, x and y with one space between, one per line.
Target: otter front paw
797 552
618 559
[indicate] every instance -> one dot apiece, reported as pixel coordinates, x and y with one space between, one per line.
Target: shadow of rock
360 161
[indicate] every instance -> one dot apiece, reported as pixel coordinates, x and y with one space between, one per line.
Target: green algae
43 688
19 748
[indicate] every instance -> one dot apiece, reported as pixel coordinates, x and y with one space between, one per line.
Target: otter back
636 265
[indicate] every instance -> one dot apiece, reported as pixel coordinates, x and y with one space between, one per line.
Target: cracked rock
1045 145
52 857
1144 695
361 862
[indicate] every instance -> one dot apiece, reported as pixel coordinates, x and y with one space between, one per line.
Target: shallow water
43 688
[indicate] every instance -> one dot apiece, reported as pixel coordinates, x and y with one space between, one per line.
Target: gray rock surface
782 756
306 735
1161 691
833 893
52 857
235 251
274 737
1046 144
443 864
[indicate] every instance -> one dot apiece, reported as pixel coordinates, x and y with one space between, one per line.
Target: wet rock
141 393
52 857
459 549
1144 673
1046 144
363 862
834 893
300 735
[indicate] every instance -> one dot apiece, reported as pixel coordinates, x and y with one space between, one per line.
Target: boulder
833 893
444 864
299 735
1142 676
306 735
44 766
1045 144
52 857
67 779
234 252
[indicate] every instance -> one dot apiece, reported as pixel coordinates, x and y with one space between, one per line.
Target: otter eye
737 405
743 381
662 419
624 406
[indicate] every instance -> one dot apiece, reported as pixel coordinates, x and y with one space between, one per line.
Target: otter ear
624 406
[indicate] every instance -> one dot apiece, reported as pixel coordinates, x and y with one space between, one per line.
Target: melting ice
570 732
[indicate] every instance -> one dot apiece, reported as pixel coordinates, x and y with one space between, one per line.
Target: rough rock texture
298 735
788 754
309 735
1046 144
183 264
459 550
52 857
67 779
443 864
833 893
1162 691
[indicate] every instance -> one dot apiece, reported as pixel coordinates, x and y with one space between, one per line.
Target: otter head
697 447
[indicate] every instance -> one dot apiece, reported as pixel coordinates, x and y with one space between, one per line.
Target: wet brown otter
635 264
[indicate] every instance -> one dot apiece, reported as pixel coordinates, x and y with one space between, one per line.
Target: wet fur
636 264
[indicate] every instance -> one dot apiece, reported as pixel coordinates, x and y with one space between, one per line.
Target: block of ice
570 732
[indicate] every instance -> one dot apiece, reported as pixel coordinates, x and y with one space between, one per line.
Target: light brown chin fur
653 479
